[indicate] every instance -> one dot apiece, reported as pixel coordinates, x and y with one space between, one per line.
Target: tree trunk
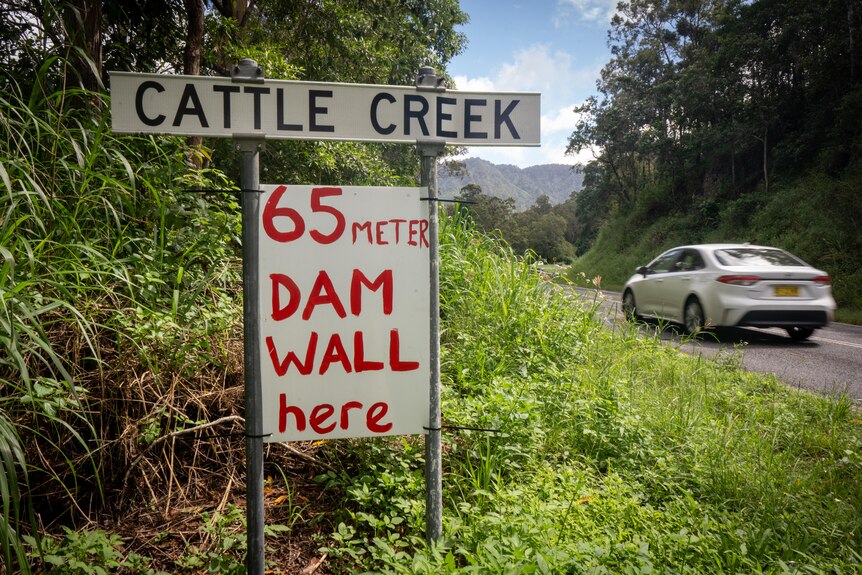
765 155
83 22
850 24
194 37
240 11
192 65
236 9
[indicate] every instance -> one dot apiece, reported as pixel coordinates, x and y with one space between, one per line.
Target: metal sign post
429 152
248 71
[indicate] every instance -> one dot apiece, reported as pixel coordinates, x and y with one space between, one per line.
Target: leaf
6 180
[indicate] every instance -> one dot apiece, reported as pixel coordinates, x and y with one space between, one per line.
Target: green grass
852 316
615 453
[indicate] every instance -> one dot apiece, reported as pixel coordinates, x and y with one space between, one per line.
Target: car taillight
823 280
739 280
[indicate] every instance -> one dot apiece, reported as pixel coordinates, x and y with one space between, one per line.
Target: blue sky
555 47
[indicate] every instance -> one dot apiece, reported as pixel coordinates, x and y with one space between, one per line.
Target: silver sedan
713 285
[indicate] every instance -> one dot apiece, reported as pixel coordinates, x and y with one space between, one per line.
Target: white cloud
466 84
588 10
559 120
538 68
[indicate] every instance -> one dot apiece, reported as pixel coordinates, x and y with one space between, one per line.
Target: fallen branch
201 427
313 565
177 433
308 458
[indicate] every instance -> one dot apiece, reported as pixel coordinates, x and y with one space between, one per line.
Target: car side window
690 260
664 263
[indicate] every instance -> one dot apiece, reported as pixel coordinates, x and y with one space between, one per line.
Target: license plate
787 291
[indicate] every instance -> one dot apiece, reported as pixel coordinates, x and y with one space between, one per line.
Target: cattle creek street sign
216 106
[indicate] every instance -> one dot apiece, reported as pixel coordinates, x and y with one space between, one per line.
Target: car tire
692 316
799 333
630 310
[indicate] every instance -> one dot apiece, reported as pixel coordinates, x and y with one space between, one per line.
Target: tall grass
39 397
117 288
615 453
13 463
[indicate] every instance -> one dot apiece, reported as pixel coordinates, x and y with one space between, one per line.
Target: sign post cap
247 71
428 80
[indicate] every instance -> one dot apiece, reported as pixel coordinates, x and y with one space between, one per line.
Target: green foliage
119 306
488 213
540 231
229 546
86 553
704 115
12 462
370 42
39 399
119 264
711 92
814 217
817 217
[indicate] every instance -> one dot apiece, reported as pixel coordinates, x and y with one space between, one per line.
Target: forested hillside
723 121
532 209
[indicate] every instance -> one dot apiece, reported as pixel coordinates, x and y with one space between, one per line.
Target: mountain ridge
523 185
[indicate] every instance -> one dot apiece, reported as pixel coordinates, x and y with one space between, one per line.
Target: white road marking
838 342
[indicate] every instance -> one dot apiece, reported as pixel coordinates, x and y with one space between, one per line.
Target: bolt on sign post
336 314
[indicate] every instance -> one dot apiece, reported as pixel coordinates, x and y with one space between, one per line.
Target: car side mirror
643 270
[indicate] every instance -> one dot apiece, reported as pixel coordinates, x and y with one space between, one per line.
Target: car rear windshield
756 257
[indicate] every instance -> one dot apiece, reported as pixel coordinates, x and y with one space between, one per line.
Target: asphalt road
829 362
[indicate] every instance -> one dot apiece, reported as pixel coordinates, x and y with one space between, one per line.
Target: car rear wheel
799 333
693 316
630 310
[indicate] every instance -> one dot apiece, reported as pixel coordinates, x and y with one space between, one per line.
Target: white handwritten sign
344 300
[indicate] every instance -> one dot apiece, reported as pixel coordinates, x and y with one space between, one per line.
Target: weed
85 553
